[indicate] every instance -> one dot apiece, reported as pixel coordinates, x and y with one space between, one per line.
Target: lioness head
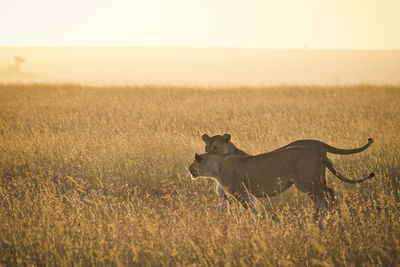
205 165
218 144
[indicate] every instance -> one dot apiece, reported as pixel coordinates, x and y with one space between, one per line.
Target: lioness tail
335 150
329 164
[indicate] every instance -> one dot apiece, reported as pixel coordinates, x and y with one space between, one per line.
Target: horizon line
305 48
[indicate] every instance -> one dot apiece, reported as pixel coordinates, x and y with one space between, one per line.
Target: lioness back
222 145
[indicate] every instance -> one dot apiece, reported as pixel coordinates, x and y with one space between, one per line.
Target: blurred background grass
98 175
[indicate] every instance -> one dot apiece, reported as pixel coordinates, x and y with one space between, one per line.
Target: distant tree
17 62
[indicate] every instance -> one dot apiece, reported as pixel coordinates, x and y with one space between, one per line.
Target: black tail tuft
370 140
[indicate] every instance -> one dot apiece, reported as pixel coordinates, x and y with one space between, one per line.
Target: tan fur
221 144
270 173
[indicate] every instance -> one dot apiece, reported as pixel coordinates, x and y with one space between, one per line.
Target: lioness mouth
192 174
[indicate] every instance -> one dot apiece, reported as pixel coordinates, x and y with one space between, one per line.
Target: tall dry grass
98 176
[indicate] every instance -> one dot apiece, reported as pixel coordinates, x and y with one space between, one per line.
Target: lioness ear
205 137
227 137
197 157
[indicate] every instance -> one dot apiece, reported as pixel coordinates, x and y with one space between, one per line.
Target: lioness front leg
248 201
223 200
252 202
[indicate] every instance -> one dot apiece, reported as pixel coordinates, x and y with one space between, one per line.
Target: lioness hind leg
322 201
320 205
330 195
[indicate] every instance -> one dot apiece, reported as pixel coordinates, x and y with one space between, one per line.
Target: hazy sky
326 24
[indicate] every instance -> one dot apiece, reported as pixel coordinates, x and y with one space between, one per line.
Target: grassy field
98 176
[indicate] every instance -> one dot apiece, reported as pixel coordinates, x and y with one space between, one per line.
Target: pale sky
321 24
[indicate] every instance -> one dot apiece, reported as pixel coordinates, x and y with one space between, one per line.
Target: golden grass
98 176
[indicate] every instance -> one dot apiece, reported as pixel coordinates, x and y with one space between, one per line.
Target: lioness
222 145
270 173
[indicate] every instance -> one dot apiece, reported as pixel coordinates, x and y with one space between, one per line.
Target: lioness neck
213 163
233 150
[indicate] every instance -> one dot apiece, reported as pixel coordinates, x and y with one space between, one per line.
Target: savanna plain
99 176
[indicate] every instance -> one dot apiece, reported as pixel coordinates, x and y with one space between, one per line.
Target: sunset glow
356 24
